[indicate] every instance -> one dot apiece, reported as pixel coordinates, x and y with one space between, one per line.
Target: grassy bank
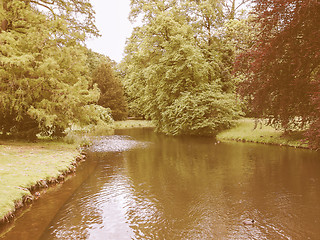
244 131
133 124
25 166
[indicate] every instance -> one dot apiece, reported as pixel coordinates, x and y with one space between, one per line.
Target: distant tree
282 68
111 91
95 59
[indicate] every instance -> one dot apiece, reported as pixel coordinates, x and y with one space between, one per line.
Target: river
141 185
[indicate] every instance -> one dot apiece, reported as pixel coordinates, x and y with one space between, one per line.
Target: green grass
133 124
243 131
23 165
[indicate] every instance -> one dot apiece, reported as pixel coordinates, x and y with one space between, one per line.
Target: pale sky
114 26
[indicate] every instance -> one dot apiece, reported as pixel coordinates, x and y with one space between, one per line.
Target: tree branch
45 6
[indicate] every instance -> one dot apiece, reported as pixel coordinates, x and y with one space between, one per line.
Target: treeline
49 79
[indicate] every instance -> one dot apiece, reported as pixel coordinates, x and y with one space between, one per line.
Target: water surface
141 185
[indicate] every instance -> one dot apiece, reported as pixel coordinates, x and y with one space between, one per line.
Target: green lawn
23 165
133 124
244 131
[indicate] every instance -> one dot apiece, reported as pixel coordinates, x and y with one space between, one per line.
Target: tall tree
44 83
282 67
170 58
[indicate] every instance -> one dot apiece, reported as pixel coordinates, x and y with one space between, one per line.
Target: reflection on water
149 186
116 144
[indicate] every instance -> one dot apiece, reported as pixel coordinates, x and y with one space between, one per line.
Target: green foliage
172 63
134 87
78 16
133 124
207 111
44 83
98 115
95 59
240 34
112 93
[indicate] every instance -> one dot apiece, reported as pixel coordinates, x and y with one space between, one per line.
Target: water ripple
116 143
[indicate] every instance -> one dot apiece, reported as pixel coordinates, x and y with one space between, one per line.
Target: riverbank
244 132
27 167
133 124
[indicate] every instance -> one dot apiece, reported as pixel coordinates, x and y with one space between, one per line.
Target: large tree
177 69
45 83
282 68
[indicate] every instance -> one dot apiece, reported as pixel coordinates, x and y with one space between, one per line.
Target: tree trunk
4 25
3 22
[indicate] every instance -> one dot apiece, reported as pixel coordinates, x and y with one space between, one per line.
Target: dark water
149 186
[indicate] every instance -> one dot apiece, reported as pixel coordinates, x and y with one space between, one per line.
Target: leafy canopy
45 86
111 90
176 59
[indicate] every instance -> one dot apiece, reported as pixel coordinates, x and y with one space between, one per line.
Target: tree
282 67
112 93
234 7
313 133
94 60
44 83
205 111
77 14
171 58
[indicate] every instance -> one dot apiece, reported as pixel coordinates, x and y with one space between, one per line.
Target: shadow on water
141 185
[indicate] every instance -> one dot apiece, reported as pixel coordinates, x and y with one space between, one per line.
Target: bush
206 111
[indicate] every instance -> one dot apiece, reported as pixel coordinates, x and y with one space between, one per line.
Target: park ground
245 131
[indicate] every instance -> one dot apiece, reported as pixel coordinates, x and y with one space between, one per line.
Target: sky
114 26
